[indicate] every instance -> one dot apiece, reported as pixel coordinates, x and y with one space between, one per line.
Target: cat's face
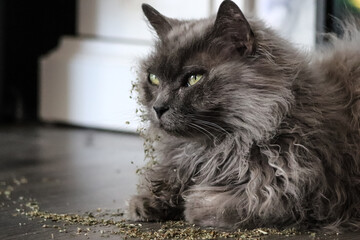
200 80
183 94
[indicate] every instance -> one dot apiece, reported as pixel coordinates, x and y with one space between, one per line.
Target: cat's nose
160 110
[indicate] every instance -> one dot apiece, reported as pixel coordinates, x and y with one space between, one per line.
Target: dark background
30 29
330 15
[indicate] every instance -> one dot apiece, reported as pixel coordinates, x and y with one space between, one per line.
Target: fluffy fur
270 136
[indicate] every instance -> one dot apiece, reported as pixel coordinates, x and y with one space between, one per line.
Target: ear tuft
159 22
231 25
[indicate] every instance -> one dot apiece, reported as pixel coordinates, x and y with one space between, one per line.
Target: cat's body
268 136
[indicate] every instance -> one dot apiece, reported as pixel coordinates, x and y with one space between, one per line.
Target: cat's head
213 77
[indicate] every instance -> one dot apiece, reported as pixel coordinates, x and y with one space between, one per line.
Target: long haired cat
252 132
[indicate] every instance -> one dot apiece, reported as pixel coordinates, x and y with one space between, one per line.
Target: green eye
194 79
154 79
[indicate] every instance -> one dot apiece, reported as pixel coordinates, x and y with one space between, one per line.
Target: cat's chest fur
205 163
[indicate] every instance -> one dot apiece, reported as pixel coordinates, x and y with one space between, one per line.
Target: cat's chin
181 131
185 133
173 130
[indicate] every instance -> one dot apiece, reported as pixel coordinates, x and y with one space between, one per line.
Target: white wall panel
123 19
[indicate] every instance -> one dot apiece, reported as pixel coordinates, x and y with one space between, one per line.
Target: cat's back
339 65
341 58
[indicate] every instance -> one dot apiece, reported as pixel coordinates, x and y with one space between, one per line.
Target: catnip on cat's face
198 82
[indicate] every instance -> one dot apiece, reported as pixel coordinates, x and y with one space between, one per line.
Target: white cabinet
87 82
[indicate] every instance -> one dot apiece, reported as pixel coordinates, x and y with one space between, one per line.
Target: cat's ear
159 22
231 25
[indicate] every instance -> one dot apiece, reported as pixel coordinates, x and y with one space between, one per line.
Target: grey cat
253 132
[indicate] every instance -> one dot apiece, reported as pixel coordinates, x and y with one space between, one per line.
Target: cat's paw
149 208
200 210
141 208
211 209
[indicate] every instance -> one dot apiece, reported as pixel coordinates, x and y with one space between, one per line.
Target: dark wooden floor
67 170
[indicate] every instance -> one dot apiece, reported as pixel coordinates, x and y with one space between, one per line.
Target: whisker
197 119
205 130
197 129
214 126
202 130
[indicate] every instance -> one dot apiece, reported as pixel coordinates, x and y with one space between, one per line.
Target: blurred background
73 62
